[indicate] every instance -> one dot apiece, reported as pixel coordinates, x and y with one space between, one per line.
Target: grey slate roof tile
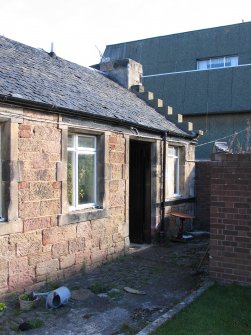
32 74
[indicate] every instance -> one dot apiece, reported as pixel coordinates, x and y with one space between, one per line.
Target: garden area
221 310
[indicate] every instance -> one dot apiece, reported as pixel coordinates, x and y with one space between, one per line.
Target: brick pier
230 219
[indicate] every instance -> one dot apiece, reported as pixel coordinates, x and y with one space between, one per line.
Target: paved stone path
99 303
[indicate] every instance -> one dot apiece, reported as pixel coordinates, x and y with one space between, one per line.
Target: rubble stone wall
37 247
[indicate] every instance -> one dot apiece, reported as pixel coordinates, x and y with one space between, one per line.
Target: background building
204 75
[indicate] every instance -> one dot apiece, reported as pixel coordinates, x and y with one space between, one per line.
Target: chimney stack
125 72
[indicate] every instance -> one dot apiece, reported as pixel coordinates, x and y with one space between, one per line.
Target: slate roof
33 75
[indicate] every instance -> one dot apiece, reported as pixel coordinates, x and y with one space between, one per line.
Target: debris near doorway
133 291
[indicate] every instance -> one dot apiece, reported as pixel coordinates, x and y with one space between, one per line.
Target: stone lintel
10 113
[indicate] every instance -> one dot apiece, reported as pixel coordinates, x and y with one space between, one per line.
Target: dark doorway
140 192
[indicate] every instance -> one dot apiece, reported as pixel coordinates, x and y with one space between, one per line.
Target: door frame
152 180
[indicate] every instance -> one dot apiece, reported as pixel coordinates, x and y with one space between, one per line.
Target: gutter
71 112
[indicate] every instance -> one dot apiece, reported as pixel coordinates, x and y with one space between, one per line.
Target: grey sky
76 26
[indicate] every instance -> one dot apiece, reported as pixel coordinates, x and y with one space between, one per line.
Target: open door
140 192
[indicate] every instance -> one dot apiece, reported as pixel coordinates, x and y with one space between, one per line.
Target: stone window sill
82 215
11 227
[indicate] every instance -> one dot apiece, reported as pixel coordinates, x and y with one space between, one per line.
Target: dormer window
217 62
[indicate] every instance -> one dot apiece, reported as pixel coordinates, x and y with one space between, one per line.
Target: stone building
83 166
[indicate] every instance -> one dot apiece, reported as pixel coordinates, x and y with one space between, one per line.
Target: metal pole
162 225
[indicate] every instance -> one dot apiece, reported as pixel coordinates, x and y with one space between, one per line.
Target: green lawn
221 310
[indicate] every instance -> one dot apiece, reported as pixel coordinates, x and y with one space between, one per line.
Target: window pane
203 64
217 62
176 176
173 171
227 62
231 61
170 151
70 168
234 61
170 178
86 182
70 141
86 142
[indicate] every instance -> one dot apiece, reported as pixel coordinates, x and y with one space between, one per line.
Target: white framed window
82 171
173 171
217 62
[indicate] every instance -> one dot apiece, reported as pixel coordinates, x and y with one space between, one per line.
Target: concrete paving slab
163 273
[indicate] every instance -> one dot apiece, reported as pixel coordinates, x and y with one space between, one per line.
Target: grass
51 285
36 323
221 310
99 287
27 325
115 294
2 306
127 329
27 297
112 292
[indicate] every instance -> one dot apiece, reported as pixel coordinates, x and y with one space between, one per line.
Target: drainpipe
162 224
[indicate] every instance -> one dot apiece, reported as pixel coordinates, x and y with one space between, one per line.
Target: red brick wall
202 195
230 219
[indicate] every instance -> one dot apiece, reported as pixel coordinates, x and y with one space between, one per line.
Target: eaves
7 99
